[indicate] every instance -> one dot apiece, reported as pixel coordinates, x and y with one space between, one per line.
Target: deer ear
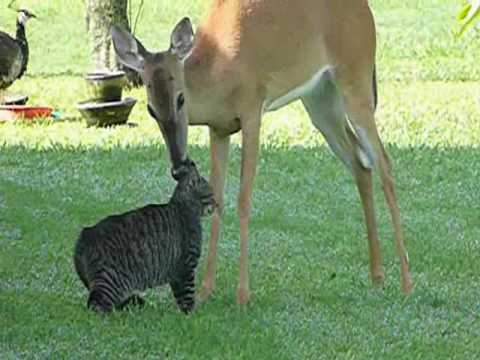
181 40
129 50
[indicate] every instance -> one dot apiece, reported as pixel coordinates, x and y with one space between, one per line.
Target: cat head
193 190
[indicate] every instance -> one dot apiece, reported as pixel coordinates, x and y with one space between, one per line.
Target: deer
249 57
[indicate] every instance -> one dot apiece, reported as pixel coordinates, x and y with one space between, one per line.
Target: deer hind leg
359 107
327 112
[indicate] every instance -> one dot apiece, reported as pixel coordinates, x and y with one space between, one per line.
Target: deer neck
206 81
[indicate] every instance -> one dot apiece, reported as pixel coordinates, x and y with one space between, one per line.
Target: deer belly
297 92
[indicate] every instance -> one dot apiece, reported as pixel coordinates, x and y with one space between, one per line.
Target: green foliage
468 15
309 261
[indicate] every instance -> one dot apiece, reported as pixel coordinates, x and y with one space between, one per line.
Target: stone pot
105 86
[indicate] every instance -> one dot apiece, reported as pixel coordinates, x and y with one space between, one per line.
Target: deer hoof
378 279
243 296
205 292
407 286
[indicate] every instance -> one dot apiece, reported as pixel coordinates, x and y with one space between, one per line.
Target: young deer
252 56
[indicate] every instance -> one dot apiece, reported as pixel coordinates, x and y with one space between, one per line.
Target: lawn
309 261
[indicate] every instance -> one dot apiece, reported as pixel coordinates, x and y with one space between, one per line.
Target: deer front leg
219 146
250 150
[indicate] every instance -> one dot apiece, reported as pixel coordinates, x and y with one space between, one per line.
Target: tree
101 15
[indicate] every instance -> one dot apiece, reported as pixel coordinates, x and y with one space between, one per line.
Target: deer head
163 76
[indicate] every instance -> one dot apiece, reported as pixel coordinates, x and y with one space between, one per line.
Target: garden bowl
106 113
105 86
14 99
12 112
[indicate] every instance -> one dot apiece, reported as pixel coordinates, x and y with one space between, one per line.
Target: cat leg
100 301
184 292
134 301
104 296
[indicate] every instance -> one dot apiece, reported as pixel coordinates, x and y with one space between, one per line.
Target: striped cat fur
126 254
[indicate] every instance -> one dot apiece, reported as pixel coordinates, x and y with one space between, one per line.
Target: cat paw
134 301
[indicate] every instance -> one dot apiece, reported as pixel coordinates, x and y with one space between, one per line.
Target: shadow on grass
309 263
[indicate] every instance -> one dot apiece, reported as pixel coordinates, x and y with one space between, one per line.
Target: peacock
14 53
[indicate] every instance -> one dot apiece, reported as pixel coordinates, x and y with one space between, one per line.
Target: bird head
24 15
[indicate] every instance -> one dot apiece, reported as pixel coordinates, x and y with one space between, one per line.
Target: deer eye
180 101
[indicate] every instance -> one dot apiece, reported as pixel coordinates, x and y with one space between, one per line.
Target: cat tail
79 258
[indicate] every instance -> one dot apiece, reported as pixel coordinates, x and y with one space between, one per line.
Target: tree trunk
101 15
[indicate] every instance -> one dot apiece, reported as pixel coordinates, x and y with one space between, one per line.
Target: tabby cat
125 254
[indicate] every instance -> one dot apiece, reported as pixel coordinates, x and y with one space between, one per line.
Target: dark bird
14 52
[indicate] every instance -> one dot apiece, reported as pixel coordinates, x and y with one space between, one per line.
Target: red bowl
27 112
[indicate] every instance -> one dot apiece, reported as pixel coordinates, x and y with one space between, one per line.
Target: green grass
308 259
309 263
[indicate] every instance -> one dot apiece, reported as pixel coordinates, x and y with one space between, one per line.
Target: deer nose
180 171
